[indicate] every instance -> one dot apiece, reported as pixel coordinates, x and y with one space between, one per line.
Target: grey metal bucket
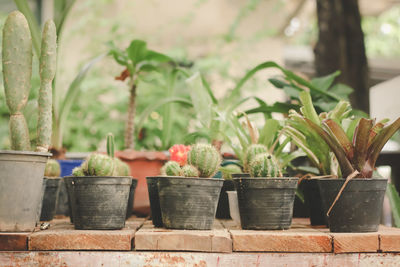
21 180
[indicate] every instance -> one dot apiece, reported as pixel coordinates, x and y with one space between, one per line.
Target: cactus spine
47 69
17 71
189 171
251 152
171 168
52 168
205 158
265 165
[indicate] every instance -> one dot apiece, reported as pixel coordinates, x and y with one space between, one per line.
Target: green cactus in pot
265 165
52 168
252 151
189 171
171 168
17 71
205 158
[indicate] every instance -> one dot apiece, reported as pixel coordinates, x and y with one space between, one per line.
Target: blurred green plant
394 200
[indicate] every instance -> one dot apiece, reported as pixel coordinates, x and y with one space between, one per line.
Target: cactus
110 145
98 165
265 165
205 158
251 152
229 169
78 171
171 168
189 171
52 168
121 168
17 71
47 70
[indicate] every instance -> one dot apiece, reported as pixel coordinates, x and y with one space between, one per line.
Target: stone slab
62 236
215 240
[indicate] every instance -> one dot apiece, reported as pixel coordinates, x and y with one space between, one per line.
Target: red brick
216 240
355 242
389 239
298 240
63 236
14 241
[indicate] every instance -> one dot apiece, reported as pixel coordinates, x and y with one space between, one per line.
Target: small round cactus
171 168
98 165
251 152
189 171
121 168
229 169
52 168
265 165
205 158
78 171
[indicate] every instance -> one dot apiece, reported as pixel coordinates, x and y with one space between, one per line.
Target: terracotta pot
142 164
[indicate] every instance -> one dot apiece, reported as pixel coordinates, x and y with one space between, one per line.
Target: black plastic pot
67 183
129 210
313 201
266 203
359 207
188 203
50 197
223 202
100 203
154 201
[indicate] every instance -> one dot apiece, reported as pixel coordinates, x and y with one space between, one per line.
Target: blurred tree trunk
341 47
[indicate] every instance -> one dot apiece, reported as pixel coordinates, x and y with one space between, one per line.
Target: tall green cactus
17 71
264 165
251 152
47 69
205 158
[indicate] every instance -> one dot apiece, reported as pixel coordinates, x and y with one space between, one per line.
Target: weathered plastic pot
359 207
100 203
68 182
266 203
66 165
21 181
50 197
223 202
188 203
129 210
154 201
313 201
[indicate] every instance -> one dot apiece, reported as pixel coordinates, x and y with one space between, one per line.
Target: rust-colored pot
142 164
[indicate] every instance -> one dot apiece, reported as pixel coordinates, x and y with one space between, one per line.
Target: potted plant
317 151
100 191
266 198
354 203
22 172
188 195
51 186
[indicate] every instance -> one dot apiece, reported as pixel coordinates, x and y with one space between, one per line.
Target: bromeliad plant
17 70
203 160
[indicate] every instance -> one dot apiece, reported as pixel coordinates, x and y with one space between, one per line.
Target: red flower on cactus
178 153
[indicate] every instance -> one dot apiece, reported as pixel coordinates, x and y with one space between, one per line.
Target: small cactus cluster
251 152
97 164
17 71
265 165
52 168
202 161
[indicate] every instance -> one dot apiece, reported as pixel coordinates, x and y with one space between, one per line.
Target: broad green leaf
137 51
278 83
341 90
269 132
277 107
156 56
394 200
119 56
323 83
361 143
291 92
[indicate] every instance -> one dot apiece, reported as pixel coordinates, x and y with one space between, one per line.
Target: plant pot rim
33 153
122 180
186 178
353 179
266 178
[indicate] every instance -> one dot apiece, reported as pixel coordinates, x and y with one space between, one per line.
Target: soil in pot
188 203
100 203
359 207
154 201
266 203
129 210
313 201
21 181
50 197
